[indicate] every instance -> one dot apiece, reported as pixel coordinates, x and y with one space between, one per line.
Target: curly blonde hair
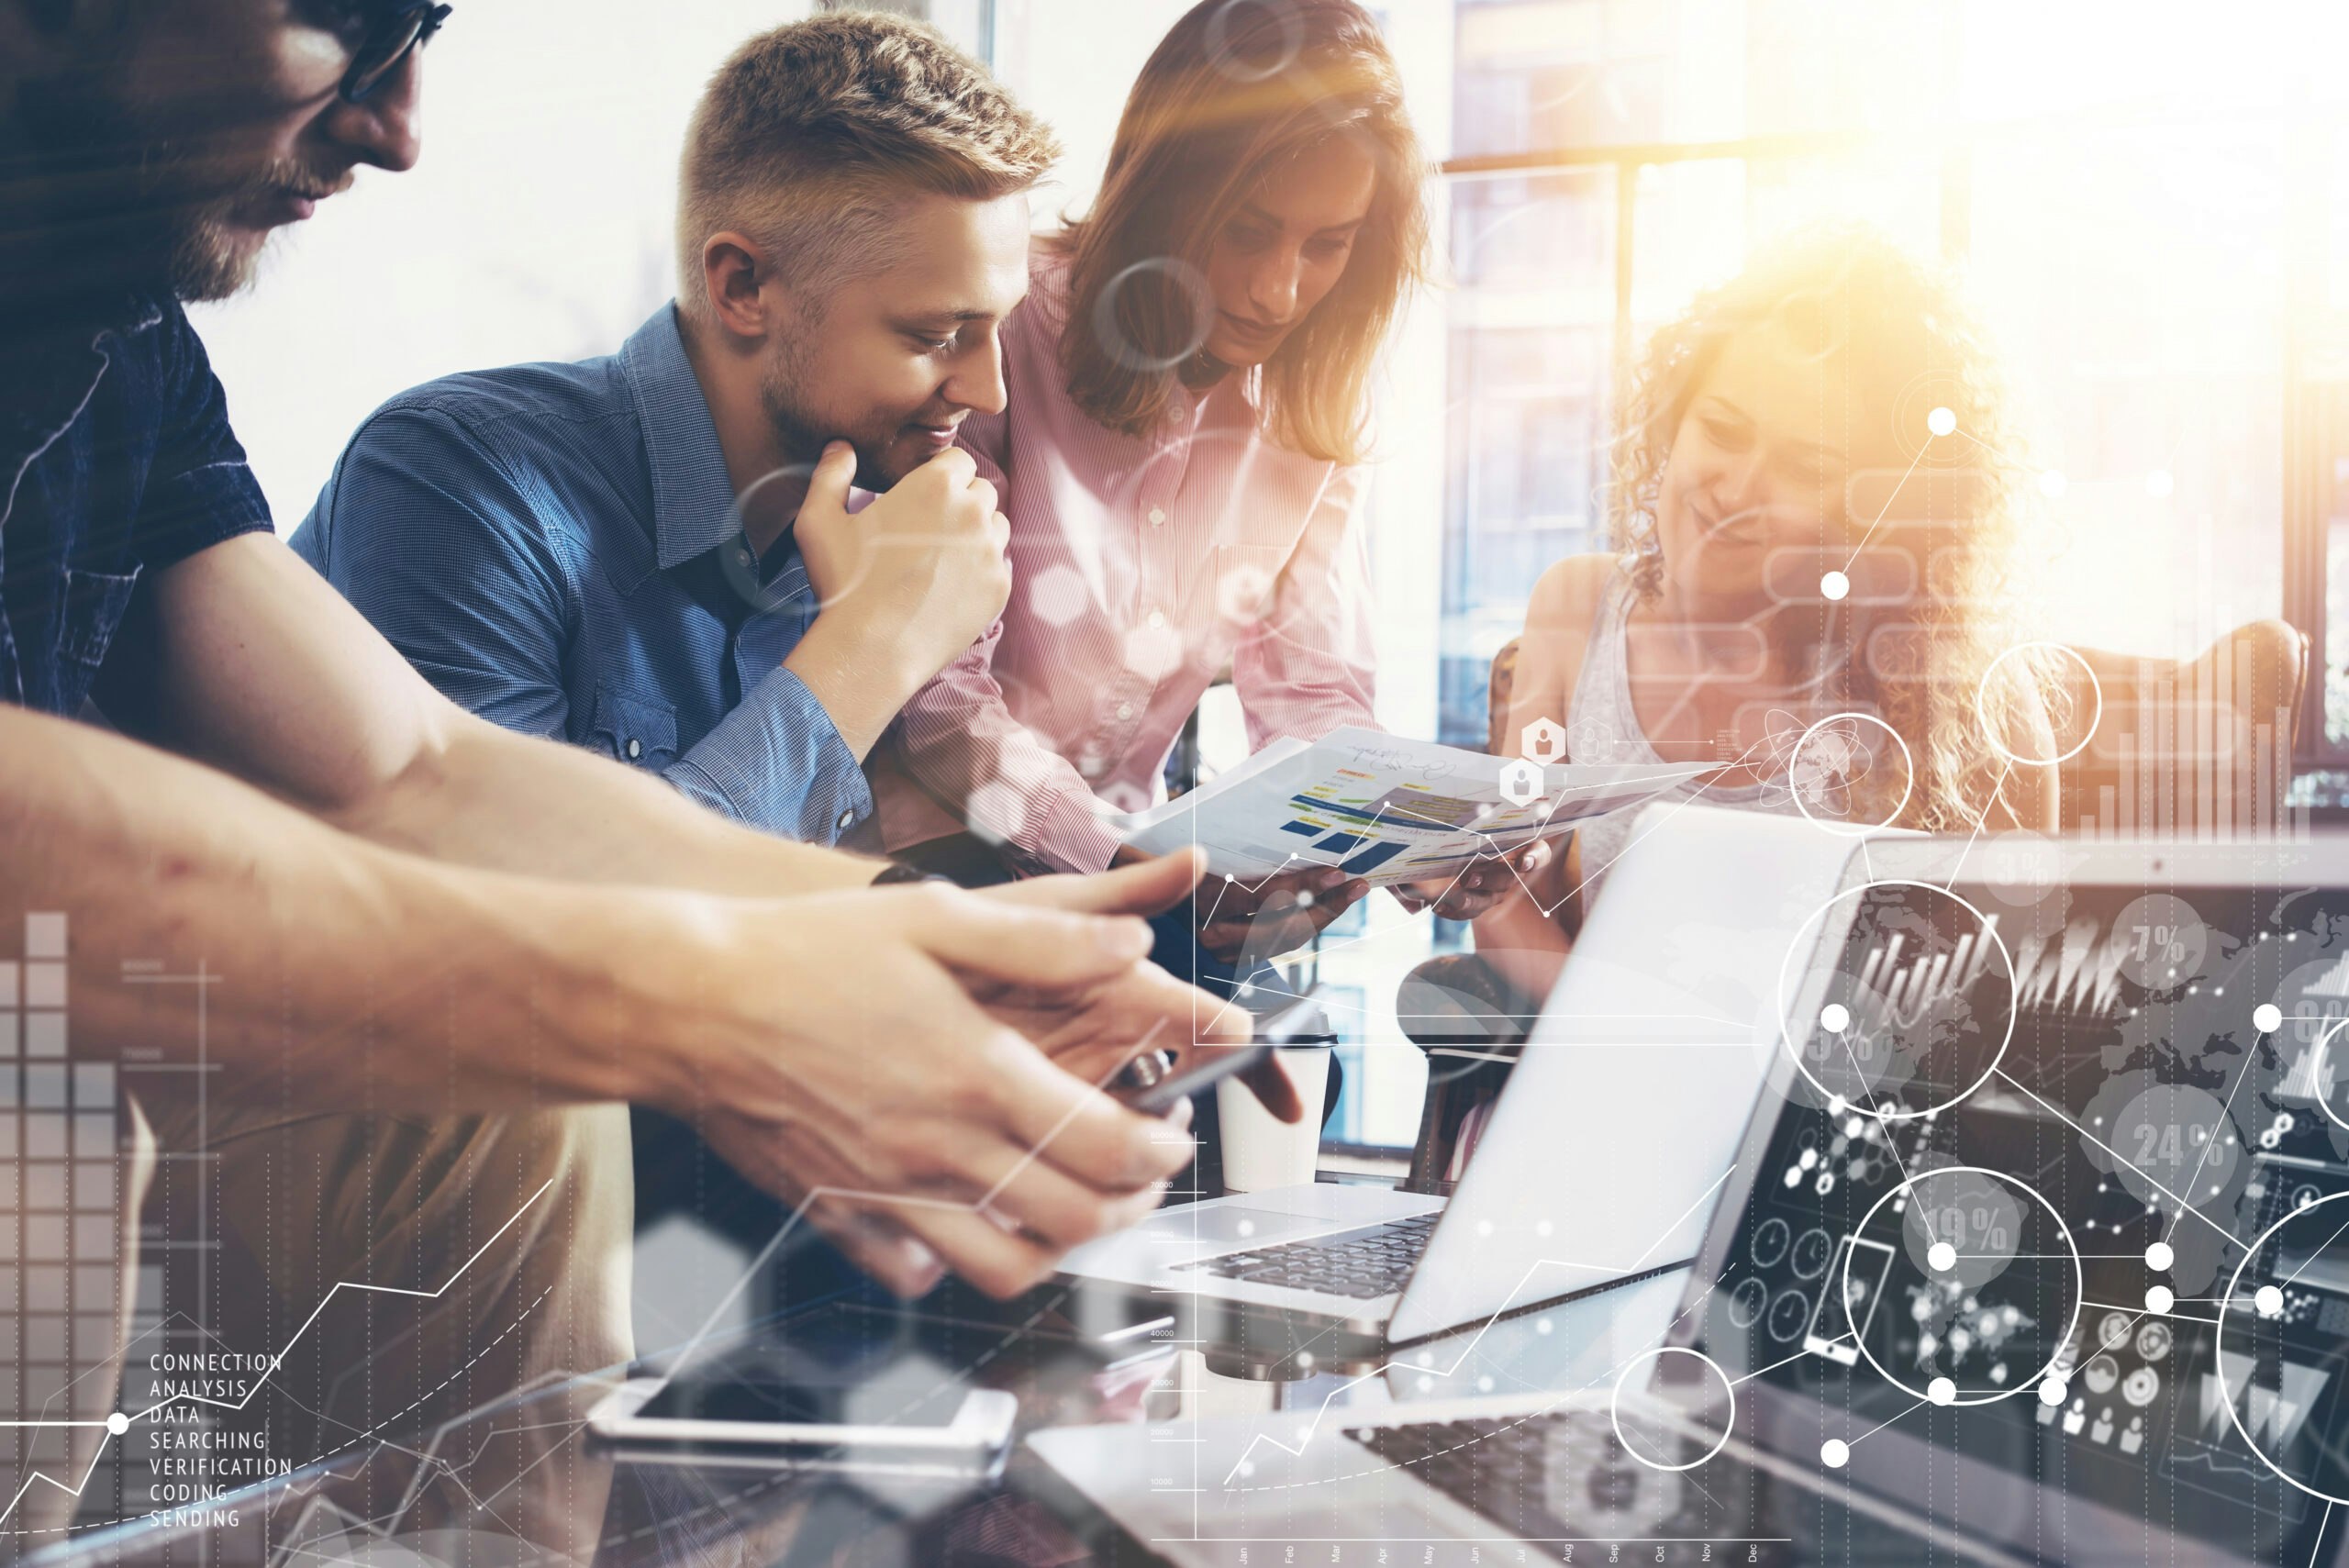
1859 302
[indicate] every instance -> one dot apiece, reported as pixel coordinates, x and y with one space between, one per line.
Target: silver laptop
2036 1250
1623 1043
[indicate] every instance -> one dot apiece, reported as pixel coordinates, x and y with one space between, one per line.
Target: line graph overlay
119 1423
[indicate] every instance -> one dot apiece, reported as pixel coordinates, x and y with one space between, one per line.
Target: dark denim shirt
116 460
558 549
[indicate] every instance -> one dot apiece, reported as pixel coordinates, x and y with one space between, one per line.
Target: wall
537 226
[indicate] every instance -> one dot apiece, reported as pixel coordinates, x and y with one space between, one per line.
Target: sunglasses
387 43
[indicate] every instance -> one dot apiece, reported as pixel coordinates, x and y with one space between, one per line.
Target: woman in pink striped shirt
1188 394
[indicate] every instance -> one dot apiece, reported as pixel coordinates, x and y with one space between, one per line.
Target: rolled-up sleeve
429 535
464 564
778 763
201 491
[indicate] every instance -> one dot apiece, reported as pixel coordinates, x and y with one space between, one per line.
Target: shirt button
742 558
1124 710
1157 619
635 747
1157 515
848 819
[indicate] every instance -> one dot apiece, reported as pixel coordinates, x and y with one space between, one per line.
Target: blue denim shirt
557 547
116 458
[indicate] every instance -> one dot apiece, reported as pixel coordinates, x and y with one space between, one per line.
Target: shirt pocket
633 730
91 606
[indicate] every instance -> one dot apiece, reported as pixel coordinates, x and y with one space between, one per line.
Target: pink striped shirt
1141 570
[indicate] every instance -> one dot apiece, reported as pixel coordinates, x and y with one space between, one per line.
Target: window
2155 219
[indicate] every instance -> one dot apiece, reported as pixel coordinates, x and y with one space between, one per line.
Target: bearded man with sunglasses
420 1018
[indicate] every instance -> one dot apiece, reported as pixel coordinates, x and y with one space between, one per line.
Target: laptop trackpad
1220 1225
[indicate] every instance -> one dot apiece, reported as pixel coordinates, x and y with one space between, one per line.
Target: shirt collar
692 497
51 371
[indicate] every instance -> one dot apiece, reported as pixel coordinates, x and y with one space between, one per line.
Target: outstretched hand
1275 914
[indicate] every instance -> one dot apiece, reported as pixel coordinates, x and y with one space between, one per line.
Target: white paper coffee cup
1260 1152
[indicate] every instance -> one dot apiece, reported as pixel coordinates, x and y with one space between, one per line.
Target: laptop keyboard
1359 1264
1565 1476
1495 1466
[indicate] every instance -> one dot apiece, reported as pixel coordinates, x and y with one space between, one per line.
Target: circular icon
2257 1335
1829 759
2018 868
2321 1075
1928 986
2173 1136
2102 1376
2087 731
2141 1386
1769 1243
1746 1303
1110 330
1227 57
1615 1405
1813 1252
2162 942
1787 1315
2113 1330
1957 1326
2310 1014
1963 1227
2154 1341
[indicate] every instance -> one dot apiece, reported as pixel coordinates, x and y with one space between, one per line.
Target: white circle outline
2005 958
1130 354
1843 830
1220 41
2079 1282
2218 1347
1615 1402
1999 744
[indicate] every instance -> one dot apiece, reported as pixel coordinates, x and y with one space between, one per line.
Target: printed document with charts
1383 808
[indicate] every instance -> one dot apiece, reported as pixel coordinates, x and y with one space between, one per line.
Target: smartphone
753 1407
1293 1024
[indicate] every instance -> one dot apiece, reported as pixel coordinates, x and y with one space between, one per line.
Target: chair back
1497 696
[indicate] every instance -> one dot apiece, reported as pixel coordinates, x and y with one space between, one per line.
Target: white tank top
1602 726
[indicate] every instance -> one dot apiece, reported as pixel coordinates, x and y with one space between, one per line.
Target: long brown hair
1236 88
1859 301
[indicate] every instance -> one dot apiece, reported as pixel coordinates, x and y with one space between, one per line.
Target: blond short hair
811 137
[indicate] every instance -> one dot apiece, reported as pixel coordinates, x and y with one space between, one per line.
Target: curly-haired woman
1815 512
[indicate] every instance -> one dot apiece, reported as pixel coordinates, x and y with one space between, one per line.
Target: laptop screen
2042 1225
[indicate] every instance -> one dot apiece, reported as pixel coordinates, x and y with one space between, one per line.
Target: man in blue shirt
559 548
655 554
